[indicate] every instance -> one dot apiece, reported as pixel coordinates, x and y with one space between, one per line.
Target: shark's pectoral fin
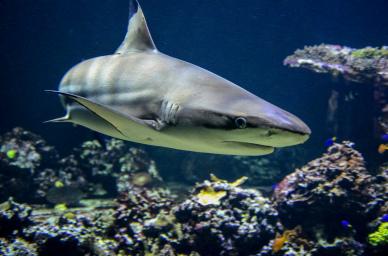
127 125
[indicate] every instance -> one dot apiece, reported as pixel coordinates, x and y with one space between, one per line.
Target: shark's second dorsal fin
138 37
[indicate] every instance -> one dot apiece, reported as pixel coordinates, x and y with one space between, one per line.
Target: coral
21 155
33 169
367 65
379 237
339 247
362 65
327 190
17 247
116 164
25 150
13 218
333 198
370 52
241 224
82 232
331 206
141 213
378 205
235 222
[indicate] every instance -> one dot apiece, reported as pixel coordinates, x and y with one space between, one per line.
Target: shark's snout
286 121
275 127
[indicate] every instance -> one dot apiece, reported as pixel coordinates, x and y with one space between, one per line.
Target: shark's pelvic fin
127 125
138 37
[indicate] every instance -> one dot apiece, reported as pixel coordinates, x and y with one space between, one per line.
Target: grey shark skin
142 95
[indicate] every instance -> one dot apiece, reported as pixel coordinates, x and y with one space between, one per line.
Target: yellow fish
382 148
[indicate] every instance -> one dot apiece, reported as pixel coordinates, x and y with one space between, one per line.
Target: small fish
59 184
382 148
69 195
141 179
350 96
330 142
279 243
60 207
384 218
288 235
11 154
345 224
384 137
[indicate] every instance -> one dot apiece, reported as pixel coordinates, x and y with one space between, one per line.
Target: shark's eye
241 122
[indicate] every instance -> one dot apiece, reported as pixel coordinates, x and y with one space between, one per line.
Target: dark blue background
244 41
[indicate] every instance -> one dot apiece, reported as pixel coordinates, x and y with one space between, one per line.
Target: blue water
244 41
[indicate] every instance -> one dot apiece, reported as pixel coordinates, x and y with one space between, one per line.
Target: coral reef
332 198
367 65
139 217
25 150
13 218
31 169
51 232
70 234
327 190
330 206
357 65
22 154
17 247
115 164
238 222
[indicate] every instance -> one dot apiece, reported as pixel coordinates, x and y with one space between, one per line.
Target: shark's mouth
251 145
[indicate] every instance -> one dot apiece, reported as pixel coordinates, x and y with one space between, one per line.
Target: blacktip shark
142 95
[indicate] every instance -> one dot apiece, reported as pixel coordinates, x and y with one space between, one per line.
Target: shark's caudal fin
138 37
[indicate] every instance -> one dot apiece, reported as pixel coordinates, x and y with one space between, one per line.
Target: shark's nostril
288 121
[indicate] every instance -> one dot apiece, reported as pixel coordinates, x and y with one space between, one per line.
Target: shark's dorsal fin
138 37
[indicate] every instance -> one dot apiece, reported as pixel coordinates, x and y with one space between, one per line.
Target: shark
141 95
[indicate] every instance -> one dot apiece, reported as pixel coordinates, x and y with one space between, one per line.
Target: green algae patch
370 52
